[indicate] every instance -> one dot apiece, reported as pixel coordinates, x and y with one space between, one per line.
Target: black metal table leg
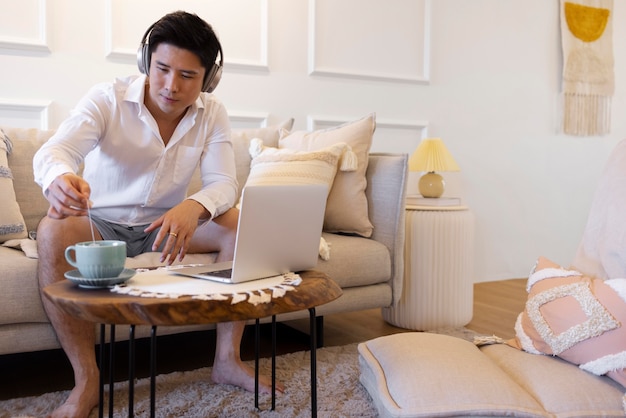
257 350
313 332
273 362
257 347
153 360
131 371
101 365
111 369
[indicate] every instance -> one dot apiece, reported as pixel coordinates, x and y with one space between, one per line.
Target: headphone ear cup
143 59
213 78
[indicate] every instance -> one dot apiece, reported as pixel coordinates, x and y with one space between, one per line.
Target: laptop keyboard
226 273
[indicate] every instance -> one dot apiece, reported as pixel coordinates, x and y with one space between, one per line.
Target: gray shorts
137 241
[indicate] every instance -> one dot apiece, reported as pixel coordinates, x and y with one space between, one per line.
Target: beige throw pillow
12 225
347 207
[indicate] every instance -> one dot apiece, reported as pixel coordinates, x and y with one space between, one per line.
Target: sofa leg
319 326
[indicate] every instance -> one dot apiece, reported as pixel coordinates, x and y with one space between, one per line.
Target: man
140 139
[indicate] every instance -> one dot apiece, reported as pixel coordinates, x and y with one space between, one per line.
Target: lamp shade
432 155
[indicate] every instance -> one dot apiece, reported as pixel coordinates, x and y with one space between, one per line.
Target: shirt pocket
187 159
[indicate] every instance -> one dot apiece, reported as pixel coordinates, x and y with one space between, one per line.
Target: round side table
438 287
104 307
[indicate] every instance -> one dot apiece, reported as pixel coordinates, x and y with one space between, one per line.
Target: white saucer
98 283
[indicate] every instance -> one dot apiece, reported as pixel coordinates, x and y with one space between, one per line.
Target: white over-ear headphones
211 78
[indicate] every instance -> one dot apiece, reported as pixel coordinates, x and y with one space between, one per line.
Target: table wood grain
105 307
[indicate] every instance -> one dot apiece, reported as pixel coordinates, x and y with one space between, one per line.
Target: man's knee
228 220
218 235
59 233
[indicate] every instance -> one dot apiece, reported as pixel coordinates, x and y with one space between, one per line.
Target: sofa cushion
12 224
418 374
347 208
20 301
575 317
361 261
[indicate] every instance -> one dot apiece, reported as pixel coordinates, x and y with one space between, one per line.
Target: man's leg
227 365
219 235
77 337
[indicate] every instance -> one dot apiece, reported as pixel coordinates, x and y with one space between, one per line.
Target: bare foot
80 402
238 374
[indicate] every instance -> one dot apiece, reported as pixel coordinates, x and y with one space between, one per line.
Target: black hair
186 31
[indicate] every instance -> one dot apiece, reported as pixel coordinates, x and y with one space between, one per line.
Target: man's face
175 80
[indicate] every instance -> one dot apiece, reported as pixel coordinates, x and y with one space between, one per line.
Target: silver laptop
279 231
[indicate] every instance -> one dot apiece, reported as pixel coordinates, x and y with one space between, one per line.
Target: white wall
484 75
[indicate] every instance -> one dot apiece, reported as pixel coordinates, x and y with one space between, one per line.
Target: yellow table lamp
432 155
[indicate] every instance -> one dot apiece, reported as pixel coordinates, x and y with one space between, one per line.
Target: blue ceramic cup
97 259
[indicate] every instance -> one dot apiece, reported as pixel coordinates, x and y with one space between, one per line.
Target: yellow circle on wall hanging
586 23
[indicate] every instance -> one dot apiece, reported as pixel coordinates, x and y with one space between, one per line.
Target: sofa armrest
386 191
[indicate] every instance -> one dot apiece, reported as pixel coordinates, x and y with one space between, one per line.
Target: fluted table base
438 286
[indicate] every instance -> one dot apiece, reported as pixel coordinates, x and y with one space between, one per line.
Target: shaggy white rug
191 394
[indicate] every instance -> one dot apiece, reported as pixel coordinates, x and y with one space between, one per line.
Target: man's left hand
177 228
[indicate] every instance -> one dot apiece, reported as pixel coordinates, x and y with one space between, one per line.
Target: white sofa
369 270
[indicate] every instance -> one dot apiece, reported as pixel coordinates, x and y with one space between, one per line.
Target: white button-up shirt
134 177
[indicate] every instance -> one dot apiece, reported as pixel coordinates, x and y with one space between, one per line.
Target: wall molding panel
395 136
240 119
324 122
399 136
401 55
245 43
33 38
25 113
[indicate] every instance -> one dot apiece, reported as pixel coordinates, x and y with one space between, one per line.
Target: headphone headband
211 78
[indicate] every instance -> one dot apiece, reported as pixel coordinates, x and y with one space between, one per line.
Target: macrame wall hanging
588 75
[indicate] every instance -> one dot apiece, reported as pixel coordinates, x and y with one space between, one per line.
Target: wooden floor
496 306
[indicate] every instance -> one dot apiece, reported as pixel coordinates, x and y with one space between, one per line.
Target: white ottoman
418 374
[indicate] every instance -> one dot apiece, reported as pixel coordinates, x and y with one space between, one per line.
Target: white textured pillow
347 207
284 166
12 225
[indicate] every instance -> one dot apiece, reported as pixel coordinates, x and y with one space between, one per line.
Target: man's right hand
68 195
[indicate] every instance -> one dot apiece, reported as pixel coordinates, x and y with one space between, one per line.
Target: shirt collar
136 89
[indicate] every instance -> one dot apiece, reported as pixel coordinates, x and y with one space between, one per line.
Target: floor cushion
417 374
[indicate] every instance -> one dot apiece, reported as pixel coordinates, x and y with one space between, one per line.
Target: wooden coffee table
107 308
